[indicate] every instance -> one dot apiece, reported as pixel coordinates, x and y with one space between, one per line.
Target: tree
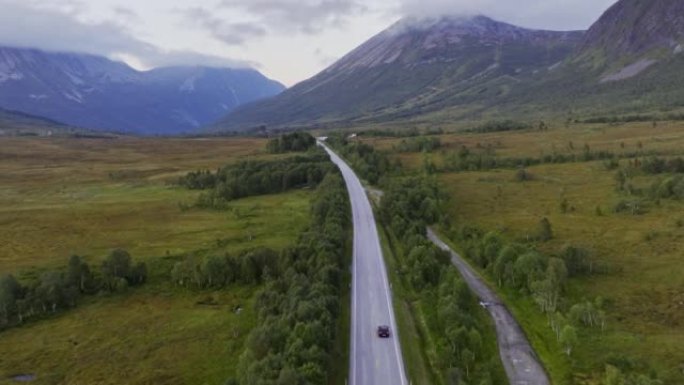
527 269
214 271
79 274
117 264
557 322
453 376
491 245
50 291
545 294
138 274
544 231
576 260
467 360
568 339
503 266
9 294
557 272
613 376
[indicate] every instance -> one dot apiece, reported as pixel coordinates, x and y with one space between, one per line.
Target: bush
293 142
250 178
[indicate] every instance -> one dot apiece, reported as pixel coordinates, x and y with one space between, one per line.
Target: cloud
53 29
161 58
298 16
127 14
547 14
220 28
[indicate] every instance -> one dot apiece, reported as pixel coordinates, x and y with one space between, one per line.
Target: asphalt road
373 361
522 365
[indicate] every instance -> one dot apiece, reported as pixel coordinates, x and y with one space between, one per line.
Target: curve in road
520 361
373 361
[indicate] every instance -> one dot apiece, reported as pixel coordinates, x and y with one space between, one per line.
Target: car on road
384 331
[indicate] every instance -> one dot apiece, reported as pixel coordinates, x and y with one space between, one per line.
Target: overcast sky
288 40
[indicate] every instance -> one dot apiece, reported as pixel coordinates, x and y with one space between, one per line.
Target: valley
479 193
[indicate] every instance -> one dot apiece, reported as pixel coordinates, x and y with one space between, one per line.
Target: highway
373 361
519 360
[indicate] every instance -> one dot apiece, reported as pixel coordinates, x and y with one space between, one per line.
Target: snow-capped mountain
95 92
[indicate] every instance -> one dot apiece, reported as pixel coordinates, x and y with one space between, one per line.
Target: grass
644 288
73 196
666 137
156 335
534 324
86 196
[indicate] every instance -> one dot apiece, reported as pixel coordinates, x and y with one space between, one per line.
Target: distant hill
13 123
94 92
471 68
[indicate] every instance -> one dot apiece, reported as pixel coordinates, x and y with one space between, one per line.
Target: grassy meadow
644 286
87 196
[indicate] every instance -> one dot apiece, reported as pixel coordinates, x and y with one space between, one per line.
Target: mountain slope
633 29
629 62
415 66
94 92
13 123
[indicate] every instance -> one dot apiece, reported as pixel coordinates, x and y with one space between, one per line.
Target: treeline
59 290
466 159
369 163
408 133
521 268
294 142
544 278
668 187
299 306
500 126
634 118
250 178
656 165
218 272
456 323
419 144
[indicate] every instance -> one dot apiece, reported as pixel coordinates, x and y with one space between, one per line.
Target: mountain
472 68
633 35
95 92
634 28
629 62
415 66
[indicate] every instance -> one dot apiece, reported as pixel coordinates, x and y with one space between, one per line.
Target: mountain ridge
95 92
405 65
473 68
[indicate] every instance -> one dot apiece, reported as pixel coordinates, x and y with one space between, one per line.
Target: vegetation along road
522 365
373 360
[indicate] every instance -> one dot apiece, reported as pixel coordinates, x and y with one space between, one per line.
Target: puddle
24 378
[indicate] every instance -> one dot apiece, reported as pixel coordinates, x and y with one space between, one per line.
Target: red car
384 331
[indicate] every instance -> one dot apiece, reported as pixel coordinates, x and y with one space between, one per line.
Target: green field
88 196
643 288
75 196
152 336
